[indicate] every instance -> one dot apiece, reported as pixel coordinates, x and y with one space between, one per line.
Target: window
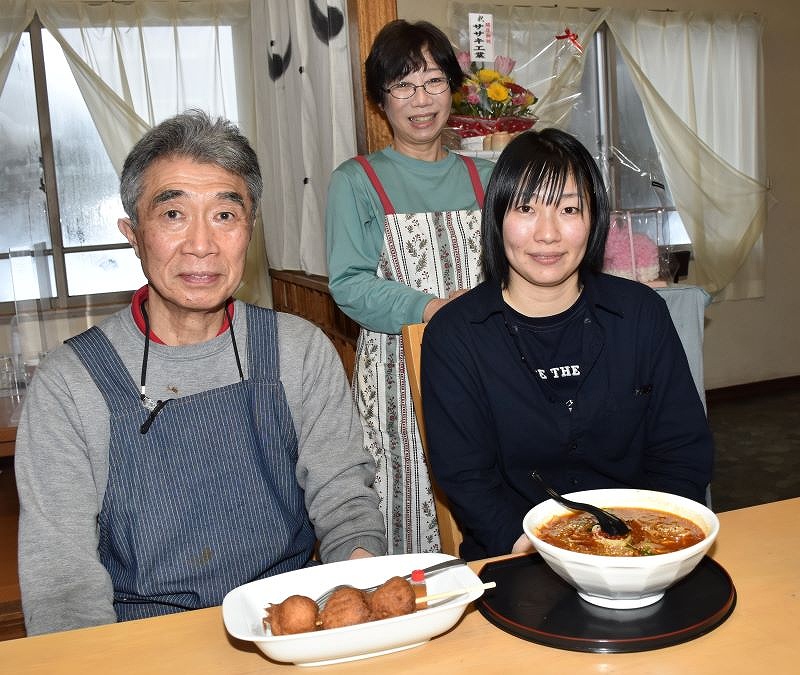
609 119
59 194
585 87
687 71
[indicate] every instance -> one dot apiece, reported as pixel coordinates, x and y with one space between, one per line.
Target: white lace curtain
13 21
290 96
699 77
305 120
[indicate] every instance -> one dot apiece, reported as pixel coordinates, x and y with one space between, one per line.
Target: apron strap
114 381
388 208
477 186
262 344
106 368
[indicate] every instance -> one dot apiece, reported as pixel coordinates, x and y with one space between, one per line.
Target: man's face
192 234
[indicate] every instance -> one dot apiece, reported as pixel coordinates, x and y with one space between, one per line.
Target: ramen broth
652 532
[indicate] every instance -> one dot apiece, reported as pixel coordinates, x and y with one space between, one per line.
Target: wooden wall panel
366 18
12 624
308 296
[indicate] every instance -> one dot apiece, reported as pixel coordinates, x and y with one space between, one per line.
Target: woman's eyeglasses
401 90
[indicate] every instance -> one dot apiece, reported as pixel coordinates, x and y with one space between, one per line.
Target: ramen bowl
622 582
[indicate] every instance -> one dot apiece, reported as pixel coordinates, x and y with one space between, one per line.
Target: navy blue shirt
552 347
636 420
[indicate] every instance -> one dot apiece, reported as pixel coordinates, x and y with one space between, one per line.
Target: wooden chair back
449 532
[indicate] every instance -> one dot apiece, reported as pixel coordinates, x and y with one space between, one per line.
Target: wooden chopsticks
454 592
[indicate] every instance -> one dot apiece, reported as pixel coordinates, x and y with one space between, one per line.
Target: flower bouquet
490 102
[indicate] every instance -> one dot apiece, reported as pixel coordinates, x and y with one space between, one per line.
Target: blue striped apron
207 499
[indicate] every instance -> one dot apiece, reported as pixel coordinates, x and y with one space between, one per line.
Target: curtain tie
572 37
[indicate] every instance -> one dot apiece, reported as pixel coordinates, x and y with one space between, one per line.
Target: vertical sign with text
481 37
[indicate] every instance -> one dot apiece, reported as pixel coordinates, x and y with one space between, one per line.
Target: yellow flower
497 92
491 92
487 75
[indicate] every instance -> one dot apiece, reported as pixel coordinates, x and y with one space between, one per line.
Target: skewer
456 591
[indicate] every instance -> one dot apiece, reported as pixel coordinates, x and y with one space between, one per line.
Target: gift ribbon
572 37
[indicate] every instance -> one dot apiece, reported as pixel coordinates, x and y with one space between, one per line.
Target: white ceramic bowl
623 582
243 609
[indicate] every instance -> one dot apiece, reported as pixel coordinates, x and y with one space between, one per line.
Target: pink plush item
633 256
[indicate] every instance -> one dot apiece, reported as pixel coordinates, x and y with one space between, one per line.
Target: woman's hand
522 545
437 303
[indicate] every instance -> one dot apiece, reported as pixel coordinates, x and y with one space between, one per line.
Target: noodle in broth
652 532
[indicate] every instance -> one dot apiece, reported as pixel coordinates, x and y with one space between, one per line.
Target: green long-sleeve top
354 229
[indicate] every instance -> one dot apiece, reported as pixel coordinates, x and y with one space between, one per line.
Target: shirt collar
488 298
140 297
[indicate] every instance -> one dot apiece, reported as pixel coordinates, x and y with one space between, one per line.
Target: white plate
243 609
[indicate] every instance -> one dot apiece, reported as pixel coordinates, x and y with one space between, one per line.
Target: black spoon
609 523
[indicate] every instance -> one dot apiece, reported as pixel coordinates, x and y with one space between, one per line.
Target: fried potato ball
394 597
296 614
346 607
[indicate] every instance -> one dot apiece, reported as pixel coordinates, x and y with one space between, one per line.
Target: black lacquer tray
533 602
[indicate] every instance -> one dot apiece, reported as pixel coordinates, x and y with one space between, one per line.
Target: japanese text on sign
481 37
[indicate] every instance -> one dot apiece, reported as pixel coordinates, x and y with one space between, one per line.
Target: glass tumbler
8 376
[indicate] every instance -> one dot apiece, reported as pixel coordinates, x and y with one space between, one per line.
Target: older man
189 443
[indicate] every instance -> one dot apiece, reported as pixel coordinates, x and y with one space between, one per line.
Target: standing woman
403 238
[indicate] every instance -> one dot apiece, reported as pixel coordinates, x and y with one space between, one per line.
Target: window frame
61 300
676 256
608 127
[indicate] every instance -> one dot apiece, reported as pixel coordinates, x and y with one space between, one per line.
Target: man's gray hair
192 135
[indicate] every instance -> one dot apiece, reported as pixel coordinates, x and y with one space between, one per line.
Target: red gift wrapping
467 126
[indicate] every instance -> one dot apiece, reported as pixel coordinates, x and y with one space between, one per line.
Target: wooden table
9 412
759 637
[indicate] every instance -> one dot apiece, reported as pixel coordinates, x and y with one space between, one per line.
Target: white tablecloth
687 306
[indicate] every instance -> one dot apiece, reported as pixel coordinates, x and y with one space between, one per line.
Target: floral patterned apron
436 253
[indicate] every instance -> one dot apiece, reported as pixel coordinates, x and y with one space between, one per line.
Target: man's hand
360 553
